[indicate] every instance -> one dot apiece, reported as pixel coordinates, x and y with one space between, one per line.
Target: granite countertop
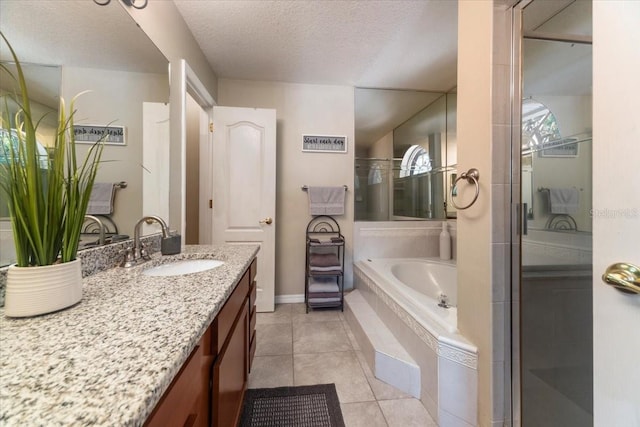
109 359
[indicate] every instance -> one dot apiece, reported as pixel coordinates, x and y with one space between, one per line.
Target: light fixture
141 4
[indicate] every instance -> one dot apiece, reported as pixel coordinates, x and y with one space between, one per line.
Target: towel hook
472 176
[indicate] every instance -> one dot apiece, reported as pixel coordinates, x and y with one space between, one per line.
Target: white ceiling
389 44
77 33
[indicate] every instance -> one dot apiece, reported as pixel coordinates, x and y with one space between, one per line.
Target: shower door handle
623 276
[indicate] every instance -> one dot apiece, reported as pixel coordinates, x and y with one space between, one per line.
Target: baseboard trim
289 299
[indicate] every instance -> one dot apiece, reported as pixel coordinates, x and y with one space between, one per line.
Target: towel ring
472 176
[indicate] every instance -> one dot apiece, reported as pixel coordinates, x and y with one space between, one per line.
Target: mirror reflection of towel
326 200
375 175
564 200
101 199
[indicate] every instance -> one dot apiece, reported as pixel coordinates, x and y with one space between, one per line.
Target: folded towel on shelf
332 242
324 260
325 269
324 287
564 200
323 284
312 295
323 300
326 200
101 199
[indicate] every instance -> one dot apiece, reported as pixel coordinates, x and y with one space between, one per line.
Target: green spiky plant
46 205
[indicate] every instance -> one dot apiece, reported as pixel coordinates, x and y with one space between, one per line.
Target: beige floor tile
274 339
381 389
362 414
341 368
315 315
320 337
282 314
352 338
406 413
271 371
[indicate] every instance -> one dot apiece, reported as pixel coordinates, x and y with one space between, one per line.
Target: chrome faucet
138 253
101 227
444 301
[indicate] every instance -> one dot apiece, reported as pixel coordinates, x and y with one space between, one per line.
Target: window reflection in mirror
44 92
405 154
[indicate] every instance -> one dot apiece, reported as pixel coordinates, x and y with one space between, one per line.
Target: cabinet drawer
230 311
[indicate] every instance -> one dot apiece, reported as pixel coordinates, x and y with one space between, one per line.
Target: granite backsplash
98 259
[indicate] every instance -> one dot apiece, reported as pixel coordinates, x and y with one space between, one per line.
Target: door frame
198 91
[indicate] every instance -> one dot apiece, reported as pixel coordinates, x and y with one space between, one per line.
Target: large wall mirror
81 46
405 154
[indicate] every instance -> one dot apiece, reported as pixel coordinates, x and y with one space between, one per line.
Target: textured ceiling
388 44
77 33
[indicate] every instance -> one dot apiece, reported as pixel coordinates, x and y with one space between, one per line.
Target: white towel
101 200
375 175
326 200
564 200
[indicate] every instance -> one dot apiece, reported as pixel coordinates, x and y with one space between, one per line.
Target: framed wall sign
90 134
324 143
566 147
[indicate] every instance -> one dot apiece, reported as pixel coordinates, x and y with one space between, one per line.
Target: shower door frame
513 340
518 36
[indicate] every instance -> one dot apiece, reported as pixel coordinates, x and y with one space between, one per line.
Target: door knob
624 277
268 220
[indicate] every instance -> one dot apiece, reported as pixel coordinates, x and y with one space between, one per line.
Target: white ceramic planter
32 291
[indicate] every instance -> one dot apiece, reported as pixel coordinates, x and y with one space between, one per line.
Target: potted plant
47 197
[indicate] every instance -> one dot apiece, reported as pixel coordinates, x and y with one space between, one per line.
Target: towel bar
306 187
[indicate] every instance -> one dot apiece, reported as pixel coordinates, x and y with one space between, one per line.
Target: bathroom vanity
138 350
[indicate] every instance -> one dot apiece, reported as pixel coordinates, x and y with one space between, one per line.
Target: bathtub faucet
444 301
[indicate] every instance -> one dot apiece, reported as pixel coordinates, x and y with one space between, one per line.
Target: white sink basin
182 267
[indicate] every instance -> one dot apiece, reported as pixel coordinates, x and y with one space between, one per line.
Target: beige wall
163 24
301 108
116 98
483 141
382 148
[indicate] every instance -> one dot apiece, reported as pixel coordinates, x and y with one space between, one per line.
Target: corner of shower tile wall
502 177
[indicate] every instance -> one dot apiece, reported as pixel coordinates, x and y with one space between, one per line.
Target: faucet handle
144 254
444 300
129 258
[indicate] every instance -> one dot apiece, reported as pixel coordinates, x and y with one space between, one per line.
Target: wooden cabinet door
230 374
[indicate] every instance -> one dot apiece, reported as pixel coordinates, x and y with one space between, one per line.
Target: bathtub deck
387 358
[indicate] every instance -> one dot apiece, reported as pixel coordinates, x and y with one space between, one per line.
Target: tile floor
295 348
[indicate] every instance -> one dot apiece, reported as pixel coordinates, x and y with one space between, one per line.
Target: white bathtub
417 284
404 294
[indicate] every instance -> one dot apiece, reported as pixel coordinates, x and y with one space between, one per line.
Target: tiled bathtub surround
448 368
108 360
98 259
400 239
